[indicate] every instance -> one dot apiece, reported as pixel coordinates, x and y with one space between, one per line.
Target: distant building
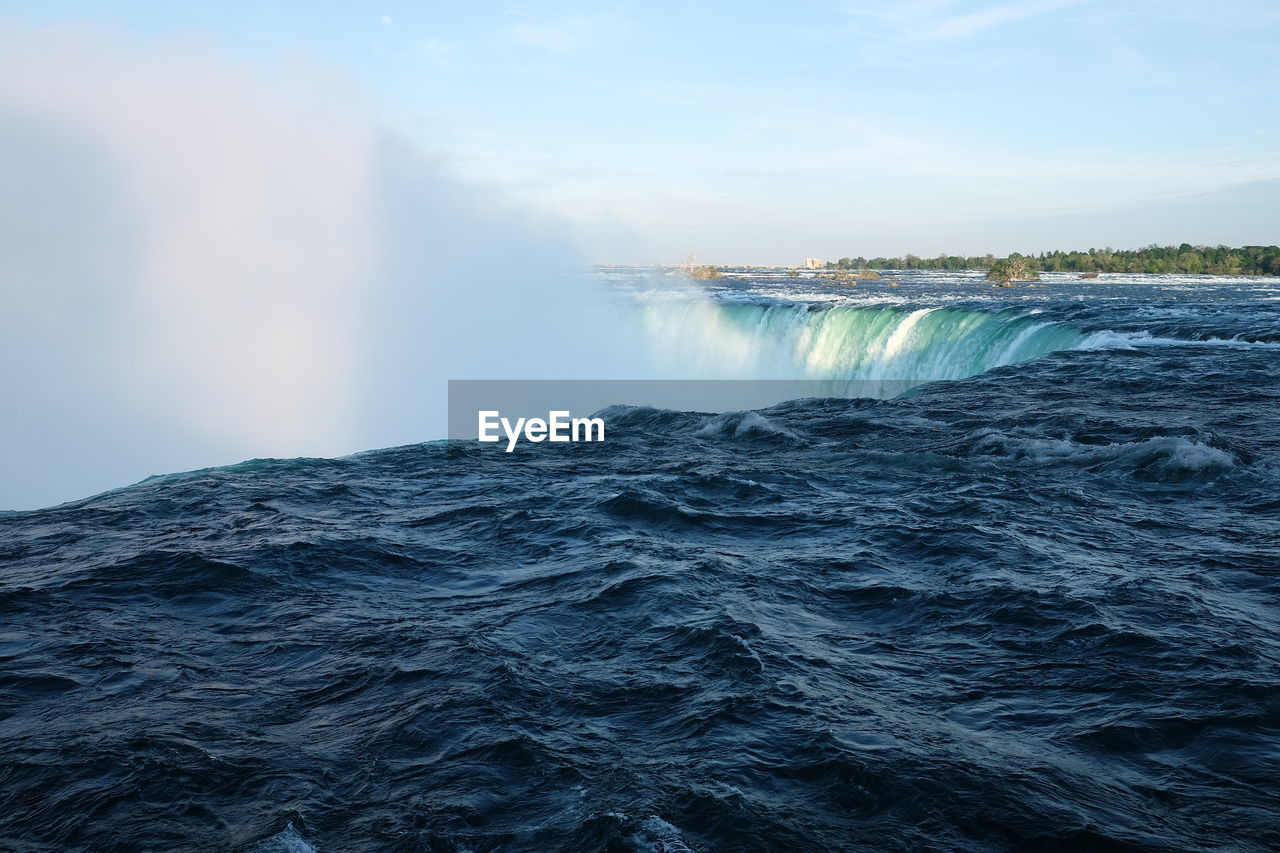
814 263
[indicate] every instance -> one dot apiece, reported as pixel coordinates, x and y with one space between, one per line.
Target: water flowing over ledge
842 342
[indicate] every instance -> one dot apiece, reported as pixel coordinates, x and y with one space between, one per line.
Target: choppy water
1031 609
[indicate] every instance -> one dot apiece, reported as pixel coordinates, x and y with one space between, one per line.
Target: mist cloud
202 265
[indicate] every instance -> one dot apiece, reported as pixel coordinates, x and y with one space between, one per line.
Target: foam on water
1109 339
658 836
288 840
741 424
1161 456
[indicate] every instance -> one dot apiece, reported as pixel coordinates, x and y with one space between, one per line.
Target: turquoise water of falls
797 341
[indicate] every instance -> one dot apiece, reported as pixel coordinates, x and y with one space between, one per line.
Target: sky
764 133
235 230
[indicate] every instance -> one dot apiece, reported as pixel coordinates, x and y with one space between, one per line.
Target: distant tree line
1212 260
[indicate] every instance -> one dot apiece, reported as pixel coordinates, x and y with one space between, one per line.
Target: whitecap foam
1108 339
658 836
1160 457
1172 457
741 425
286 841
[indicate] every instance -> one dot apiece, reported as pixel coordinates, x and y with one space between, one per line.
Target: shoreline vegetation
1187 259
1184 259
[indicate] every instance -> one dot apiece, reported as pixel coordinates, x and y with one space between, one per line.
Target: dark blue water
1033 609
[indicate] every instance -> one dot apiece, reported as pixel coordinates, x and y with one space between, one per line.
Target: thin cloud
564 35
967 26
762 172
439 53
942 20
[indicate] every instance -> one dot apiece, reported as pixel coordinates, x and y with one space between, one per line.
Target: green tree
1014 268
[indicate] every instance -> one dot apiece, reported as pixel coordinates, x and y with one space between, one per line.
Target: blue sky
762 132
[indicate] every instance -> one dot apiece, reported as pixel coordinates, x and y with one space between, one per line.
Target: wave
742 425
1160 458
286 841
658 836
